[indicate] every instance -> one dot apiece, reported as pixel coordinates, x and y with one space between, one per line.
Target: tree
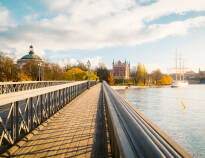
140 76
8 70
67 67
78 74
111 79
75 74
102 72
156 76
82 66
165 80
56 71
24 77
31 69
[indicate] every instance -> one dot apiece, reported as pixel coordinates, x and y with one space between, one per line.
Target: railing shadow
100 146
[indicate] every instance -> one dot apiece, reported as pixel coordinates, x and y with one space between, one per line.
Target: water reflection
164 107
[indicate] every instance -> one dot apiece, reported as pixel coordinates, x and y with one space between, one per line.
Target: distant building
30 57
121 70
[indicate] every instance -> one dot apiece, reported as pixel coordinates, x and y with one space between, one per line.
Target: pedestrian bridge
78 119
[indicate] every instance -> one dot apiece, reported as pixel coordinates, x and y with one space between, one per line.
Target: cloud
72 61
91 24
4 18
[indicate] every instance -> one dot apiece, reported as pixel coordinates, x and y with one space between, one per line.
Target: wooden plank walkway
71 132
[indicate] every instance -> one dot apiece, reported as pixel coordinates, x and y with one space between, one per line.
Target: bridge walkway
74 131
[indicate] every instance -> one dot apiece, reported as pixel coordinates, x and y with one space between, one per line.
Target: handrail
132 134
8 87
21 112
22 82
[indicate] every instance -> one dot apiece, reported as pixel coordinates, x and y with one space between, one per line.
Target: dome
31 54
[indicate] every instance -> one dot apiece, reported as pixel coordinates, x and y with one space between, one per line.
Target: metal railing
132 134
25 110
8 87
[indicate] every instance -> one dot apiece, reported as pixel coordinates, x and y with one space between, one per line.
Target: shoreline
133 87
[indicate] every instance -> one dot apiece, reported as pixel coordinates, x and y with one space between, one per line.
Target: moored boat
178 84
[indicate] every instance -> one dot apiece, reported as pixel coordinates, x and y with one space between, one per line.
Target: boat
181 82
178 84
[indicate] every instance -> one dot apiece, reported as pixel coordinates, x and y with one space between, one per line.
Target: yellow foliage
93 76
24 77
77 74
166 80
111 79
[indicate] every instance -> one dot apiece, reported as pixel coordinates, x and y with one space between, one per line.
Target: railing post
31 113
12 123
59 99
49 103
75 91
63 96
72 92
17 120
55 101
27 114
41 107
69 94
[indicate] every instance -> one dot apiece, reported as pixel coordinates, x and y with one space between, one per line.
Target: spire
113 62
31 50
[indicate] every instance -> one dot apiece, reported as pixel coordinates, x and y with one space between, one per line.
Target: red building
121 70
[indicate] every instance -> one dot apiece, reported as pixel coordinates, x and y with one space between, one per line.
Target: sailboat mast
183 70
180 67
176 65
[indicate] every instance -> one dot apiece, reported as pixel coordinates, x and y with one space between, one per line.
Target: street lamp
89 64
39 71
73 76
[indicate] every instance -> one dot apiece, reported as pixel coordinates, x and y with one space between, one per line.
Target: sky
68 31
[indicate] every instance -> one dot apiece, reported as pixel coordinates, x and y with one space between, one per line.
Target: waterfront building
121 70
30 57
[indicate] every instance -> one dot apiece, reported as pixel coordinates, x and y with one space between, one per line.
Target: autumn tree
24 77
165 80
111 79
102 72
75 74
8 70
31 69
156 76
67 67
78 74
140 76
56 72
82 66
93 76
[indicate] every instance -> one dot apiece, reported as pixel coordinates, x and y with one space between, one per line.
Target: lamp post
39 71
89 64
73 76
43 69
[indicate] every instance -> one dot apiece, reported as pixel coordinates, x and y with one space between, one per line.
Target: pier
79 119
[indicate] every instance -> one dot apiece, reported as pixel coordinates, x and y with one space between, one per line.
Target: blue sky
66 31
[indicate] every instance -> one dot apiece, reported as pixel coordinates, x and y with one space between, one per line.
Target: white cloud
94 61
91 24
4 18
72 61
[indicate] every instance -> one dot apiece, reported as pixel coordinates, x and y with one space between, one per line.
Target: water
164 106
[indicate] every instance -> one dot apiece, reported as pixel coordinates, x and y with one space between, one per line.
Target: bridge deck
71 132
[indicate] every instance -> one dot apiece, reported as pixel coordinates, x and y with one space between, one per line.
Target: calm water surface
164 106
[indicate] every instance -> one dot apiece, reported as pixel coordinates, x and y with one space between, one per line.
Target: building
121 70
30 57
